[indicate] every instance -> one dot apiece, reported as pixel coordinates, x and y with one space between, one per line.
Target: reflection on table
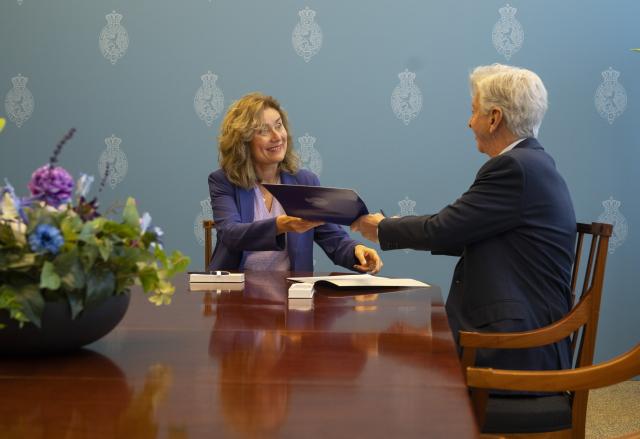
250 363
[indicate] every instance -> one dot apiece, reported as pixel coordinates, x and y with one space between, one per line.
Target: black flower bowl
59 333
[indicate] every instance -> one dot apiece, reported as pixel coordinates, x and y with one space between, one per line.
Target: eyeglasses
266 129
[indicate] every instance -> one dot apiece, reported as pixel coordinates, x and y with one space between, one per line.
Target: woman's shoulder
218 176
304 176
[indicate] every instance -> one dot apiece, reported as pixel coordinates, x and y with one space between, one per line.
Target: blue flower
46 238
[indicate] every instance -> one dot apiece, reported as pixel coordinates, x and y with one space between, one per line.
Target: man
514 228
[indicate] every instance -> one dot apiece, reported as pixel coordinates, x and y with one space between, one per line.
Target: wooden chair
580 379
208 226
564 415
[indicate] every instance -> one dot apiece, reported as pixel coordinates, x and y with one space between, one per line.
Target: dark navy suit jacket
515 231
238 233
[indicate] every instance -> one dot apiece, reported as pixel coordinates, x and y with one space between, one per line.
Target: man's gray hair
518 92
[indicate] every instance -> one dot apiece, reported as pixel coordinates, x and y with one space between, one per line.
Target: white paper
361 280
216 286
221 278
301 291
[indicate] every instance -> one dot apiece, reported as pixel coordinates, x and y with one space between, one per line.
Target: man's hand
369 260
286 223
367 225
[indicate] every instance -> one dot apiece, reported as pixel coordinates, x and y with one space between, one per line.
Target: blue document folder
328 204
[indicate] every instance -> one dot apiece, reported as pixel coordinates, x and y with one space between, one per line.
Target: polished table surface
250 363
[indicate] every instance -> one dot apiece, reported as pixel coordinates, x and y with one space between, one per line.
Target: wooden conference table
242 364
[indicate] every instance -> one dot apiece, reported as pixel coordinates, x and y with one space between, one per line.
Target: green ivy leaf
6 235
27 260
75 277
105 247
130 214
88 233
9 302
148 278
88 255
74 298
100 285
31 302
70 228
69 265
49 278
180 263
122 231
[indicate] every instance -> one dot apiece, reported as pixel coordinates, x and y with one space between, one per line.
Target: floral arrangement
55 245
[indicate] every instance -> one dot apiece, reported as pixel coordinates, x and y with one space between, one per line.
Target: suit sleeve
491 206
334 240
236 235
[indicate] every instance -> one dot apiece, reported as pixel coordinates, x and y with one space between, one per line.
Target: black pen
382 212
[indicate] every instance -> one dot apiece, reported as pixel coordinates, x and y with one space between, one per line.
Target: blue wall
339 92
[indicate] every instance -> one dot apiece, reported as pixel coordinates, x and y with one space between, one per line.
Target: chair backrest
592 284
581 323
208 226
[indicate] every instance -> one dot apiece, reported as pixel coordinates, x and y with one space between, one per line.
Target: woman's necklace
267 198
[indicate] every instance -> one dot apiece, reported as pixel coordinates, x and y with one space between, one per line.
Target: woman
253 231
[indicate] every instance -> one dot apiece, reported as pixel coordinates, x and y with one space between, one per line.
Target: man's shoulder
528 149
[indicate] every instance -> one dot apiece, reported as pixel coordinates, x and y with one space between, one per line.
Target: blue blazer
238 233
515 230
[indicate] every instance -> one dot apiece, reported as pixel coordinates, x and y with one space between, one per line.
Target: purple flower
46 238
53 185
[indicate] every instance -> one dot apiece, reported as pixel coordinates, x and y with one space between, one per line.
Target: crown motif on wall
19 81
307 141
406 76
611 204
610 75
406 205
507 11
206 205
113 18
307 15
209 78
113 141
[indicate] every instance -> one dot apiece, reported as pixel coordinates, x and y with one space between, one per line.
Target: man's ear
496 118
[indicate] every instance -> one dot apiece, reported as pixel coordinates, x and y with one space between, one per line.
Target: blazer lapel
245 201
292 238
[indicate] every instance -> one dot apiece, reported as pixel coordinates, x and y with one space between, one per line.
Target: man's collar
511 146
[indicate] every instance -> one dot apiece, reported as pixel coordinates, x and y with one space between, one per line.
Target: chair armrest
618 369
557 331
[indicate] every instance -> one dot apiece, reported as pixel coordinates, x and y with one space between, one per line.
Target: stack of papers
216 276
216 286
359 281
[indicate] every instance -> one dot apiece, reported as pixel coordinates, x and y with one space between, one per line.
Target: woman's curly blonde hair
236 132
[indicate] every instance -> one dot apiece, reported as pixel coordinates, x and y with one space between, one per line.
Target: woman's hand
286 223
369 260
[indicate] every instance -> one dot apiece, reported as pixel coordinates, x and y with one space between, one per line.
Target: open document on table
359 281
